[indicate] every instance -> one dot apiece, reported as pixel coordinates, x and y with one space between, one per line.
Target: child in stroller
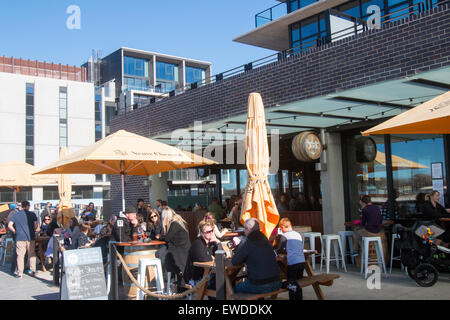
420 253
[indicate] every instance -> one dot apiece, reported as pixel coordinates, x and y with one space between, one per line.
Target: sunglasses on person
153 216
208 231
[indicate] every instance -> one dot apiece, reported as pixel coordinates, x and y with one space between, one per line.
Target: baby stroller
422 257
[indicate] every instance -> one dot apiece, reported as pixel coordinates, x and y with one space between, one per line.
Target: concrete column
182 74
332 186
158 187
38 194
153 72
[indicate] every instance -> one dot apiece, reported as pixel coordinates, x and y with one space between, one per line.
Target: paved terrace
350 286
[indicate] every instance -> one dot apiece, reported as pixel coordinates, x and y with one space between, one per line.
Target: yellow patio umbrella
15 174
126 153
432 116
258 200
65 193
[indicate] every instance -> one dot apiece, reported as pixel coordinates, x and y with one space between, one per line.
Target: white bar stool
326 245
365 254
143 264
311 236
394 237
344 235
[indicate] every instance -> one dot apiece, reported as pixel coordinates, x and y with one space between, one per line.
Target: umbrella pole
15 196
123 191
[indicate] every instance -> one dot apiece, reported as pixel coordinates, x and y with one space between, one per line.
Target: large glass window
413 157
135 66
365 178
166 76
243 179
305 34
194 75
229 183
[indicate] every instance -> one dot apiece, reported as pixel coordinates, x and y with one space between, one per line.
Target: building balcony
270 14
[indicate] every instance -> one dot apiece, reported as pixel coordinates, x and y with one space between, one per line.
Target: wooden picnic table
231 273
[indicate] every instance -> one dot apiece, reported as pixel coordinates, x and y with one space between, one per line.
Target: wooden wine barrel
366 149
307 146
132 254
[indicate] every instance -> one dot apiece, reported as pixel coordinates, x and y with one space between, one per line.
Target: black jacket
431 212
153 231
257 253
199 252
178 245
125 233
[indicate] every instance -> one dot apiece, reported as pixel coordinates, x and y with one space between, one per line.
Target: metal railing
270 14
358 27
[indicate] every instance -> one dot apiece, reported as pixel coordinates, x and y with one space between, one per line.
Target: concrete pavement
350 286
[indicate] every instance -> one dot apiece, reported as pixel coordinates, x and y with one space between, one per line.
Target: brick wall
402 48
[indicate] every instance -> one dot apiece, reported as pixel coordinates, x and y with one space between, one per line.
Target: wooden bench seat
321 279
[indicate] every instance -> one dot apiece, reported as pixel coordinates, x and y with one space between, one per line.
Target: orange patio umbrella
126 153
15 174
258 200
432 116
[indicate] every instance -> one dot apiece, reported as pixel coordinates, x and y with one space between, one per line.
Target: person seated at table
82 240
88 215
155 230
174 255
103 241
209 217
371 222
129 224
257 253
140 209
433 210
142 225
202 250
291 243
45 226
283 203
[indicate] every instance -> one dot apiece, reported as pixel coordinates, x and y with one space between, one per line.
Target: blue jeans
246 286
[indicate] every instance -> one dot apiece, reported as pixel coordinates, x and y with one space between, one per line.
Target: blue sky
200 29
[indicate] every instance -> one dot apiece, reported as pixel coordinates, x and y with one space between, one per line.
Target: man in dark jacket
125 225
262 268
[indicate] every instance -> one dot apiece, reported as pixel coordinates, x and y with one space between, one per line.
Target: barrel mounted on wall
366 149
307 147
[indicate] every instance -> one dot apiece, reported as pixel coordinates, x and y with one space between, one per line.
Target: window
62 117
166 76
98 117
304 34
135 67
194 75
229 183
29 123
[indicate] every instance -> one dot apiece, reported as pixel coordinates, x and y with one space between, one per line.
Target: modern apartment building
141 77
340 68
43 107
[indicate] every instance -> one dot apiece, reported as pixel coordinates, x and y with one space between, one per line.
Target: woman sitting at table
155 230
174 256
434 211
209 217
202 250
371 222
45 226
82 241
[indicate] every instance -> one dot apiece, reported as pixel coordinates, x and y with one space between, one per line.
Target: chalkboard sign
83 276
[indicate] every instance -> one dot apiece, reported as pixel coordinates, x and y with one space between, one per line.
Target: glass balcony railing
270 14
